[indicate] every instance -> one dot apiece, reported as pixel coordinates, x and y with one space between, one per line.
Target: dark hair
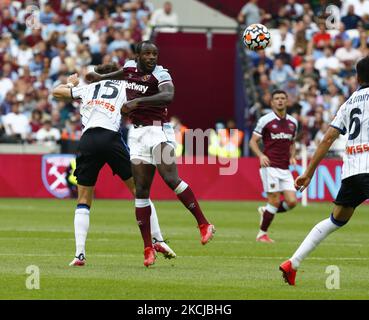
278 91
362 69
141 44
106 68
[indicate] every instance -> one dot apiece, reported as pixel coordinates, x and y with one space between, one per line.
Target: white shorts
277 180
143 140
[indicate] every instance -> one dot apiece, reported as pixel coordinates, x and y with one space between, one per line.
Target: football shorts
277 180
354 190
97 147
142 141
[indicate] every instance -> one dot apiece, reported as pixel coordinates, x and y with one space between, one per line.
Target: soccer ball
256 37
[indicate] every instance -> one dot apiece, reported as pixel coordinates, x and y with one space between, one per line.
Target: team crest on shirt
54 172
272 185
146 77
274 126
292 126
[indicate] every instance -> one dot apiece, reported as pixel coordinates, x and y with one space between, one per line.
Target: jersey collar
363 86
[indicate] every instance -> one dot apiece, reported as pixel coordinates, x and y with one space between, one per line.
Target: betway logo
136 87
281 135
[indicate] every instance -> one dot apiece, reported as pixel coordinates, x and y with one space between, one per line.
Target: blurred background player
352 117
152 139
101 143
277 130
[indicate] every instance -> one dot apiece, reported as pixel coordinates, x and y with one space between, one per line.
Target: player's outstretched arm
95 77
164 97
63 91
303 181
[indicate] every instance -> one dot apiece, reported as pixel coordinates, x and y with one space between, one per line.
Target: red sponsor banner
39 176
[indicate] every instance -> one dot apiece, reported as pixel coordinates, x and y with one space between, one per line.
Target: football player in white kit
351 118
101 143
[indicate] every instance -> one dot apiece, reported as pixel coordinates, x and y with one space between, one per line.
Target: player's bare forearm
62 92
165 96
116 75
95 77
254 145
331 135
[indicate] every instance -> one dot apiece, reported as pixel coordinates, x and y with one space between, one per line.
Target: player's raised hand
73 79
92 77
302 182
264 161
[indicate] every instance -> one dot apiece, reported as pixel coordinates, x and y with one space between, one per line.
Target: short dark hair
278 91
362 69
106 68
139 45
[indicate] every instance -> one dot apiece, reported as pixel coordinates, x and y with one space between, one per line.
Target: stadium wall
37 176
204 77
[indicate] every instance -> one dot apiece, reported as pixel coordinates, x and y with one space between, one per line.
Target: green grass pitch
231 266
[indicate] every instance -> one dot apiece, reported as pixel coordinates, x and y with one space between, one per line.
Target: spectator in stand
36 122
72 131
351 20
6 84
283 38
328 61
120 41
16 124
280 73
283 55
251 13
294 10
347 53
47 14
300 41
47 134
361 7
260 57
165 17
6 105
83 10
322 38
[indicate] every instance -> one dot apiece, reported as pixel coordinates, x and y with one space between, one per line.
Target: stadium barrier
38 176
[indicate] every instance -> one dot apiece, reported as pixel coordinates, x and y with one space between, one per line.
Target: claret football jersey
353 118
278 134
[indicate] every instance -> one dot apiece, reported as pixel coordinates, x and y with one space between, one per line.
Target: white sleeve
79 92
340 120
259 127
163 77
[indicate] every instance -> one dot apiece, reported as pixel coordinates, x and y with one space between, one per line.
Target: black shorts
354 191
97 147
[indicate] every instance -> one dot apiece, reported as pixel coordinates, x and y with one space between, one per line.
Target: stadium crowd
312 57
41 43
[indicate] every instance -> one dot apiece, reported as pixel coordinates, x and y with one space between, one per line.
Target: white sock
154 223
312 240
81 225
261 233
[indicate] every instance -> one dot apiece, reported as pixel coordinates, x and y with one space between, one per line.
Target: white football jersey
353 118
101 103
